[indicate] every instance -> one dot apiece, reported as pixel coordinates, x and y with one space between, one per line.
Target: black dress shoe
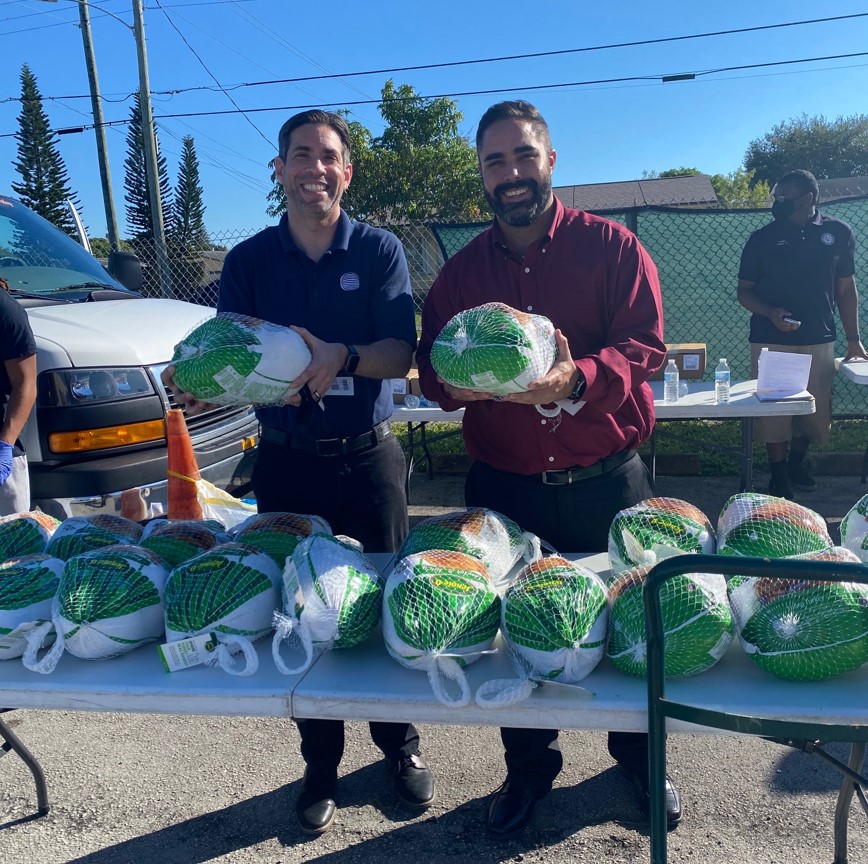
673 800
510 809
414 782
315 807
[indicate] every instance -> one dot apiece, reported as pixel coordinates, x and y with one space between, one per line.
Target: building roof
689 190
842 187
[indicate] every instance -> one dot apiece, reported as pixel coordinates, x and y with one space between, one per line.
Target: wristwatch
578 388
352 361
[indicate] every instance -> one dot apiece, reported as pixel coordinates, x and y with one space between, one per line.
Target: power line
477 61
535 87
211 74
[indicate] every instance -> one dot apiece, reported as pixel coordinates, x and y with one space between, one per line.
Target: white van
98 429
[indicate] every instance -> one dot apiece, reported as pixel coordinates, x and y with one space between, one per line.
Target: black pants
572 518
362 496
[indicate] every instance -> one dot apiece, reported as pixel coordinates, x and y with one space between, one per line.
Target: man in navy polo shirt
794 272
345 288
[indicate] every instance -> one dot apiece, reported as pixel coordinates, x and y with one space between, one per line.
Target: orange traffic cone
182 469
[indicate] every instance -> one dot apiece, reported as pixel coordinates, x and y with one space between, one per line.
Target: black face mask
783 208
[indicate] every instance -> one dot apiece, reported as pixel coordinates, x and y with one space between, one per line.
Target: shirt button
527 269
544 251
530 308
543 422
551 458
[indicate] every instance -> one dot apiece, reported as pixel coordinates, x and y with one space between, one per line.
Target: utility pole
111 219
152 170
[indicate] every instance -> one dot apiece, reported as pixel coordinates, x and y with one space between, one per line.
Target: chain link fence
697 252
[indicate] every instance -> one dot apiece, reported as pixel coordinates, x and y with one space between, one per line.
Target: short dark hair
804 181
318 118
516 109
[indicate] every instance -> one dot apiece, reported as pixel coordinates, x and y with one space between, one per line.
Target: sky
601 131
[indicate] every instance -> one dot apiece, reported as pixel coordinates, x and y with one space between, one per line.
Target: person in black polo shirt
794 272
345 288
17 397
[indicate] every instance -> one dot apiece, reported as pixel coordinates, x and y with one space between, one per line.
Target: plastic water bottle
411 400
670 383
721 382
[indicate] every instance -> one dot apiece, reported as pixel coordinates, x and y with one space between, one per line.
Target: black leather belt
328 446
573 475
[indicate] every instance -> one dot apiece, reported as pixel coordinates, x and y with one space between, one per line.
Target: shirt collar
341 241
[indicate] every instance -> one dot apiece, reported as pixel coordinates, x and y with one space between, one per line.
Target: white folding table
856 371
698 404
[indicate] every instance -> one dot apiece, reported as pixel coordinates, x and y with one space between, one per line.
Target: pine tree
138 196
188 215
45 180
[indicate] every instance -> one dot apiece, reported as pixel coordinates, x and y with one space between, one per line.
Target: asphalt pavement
135 789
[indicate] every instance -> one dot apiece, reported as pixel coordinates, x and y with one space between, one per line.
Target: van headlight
90 386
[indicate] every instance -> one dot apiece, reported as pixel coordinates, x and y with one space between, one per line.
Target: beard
522 213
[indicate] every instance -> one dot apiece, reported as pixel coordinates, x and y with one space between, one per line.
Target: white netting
440 613
697 623
27 587
176 542
230 590
657 528
554 620
25 533
234 359
854 529
766 527
80 534
108 602
277 534
495 349
332 598
485 534
803 630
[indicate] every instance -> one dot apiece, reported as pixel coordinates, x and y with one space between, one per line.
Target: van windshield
36 258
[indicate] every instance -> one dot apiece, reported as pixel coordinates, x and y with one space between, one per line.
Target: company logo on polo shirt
827 238
350 282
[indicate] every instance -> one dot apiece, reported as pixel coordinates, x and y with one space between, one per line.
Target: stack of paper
783 376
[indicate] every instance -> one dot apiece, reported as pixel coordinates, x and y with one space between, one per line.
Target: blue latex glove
5 461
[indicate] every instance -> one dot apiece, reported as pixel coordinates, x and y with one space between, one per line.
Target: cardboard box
689 357
402 386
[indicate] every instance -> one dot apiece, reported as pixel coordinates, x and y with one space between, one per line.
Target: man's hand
855 351
463 394
556 384
5 461
777 315
327 360
190 403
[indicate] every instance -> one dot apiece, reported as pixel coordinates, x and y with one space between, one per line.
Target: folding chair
806 736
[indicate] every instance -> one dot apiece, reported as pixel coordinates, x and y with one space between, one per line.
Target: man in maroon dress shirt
563 477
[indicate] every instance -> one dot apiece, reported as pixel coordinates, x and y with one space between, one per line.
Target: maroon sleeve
436 312
634 347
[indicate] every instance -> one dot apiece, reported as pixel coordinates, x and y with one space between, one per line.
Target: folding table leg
865 464
845 798
13 742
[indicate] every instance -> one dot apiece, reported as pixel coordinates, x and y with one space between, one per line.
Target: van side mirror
126 268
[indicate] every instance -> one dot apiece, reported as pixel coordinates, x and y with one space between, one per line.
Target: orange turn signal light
83 440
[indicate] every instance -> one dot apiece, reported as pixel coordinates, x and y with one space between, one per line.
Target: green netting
491 537
803 630
235 360
697 253
555 617
179 541
761 525
657 528
494 349
27 588
697 623
277 534
854 529
81 534
25 533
